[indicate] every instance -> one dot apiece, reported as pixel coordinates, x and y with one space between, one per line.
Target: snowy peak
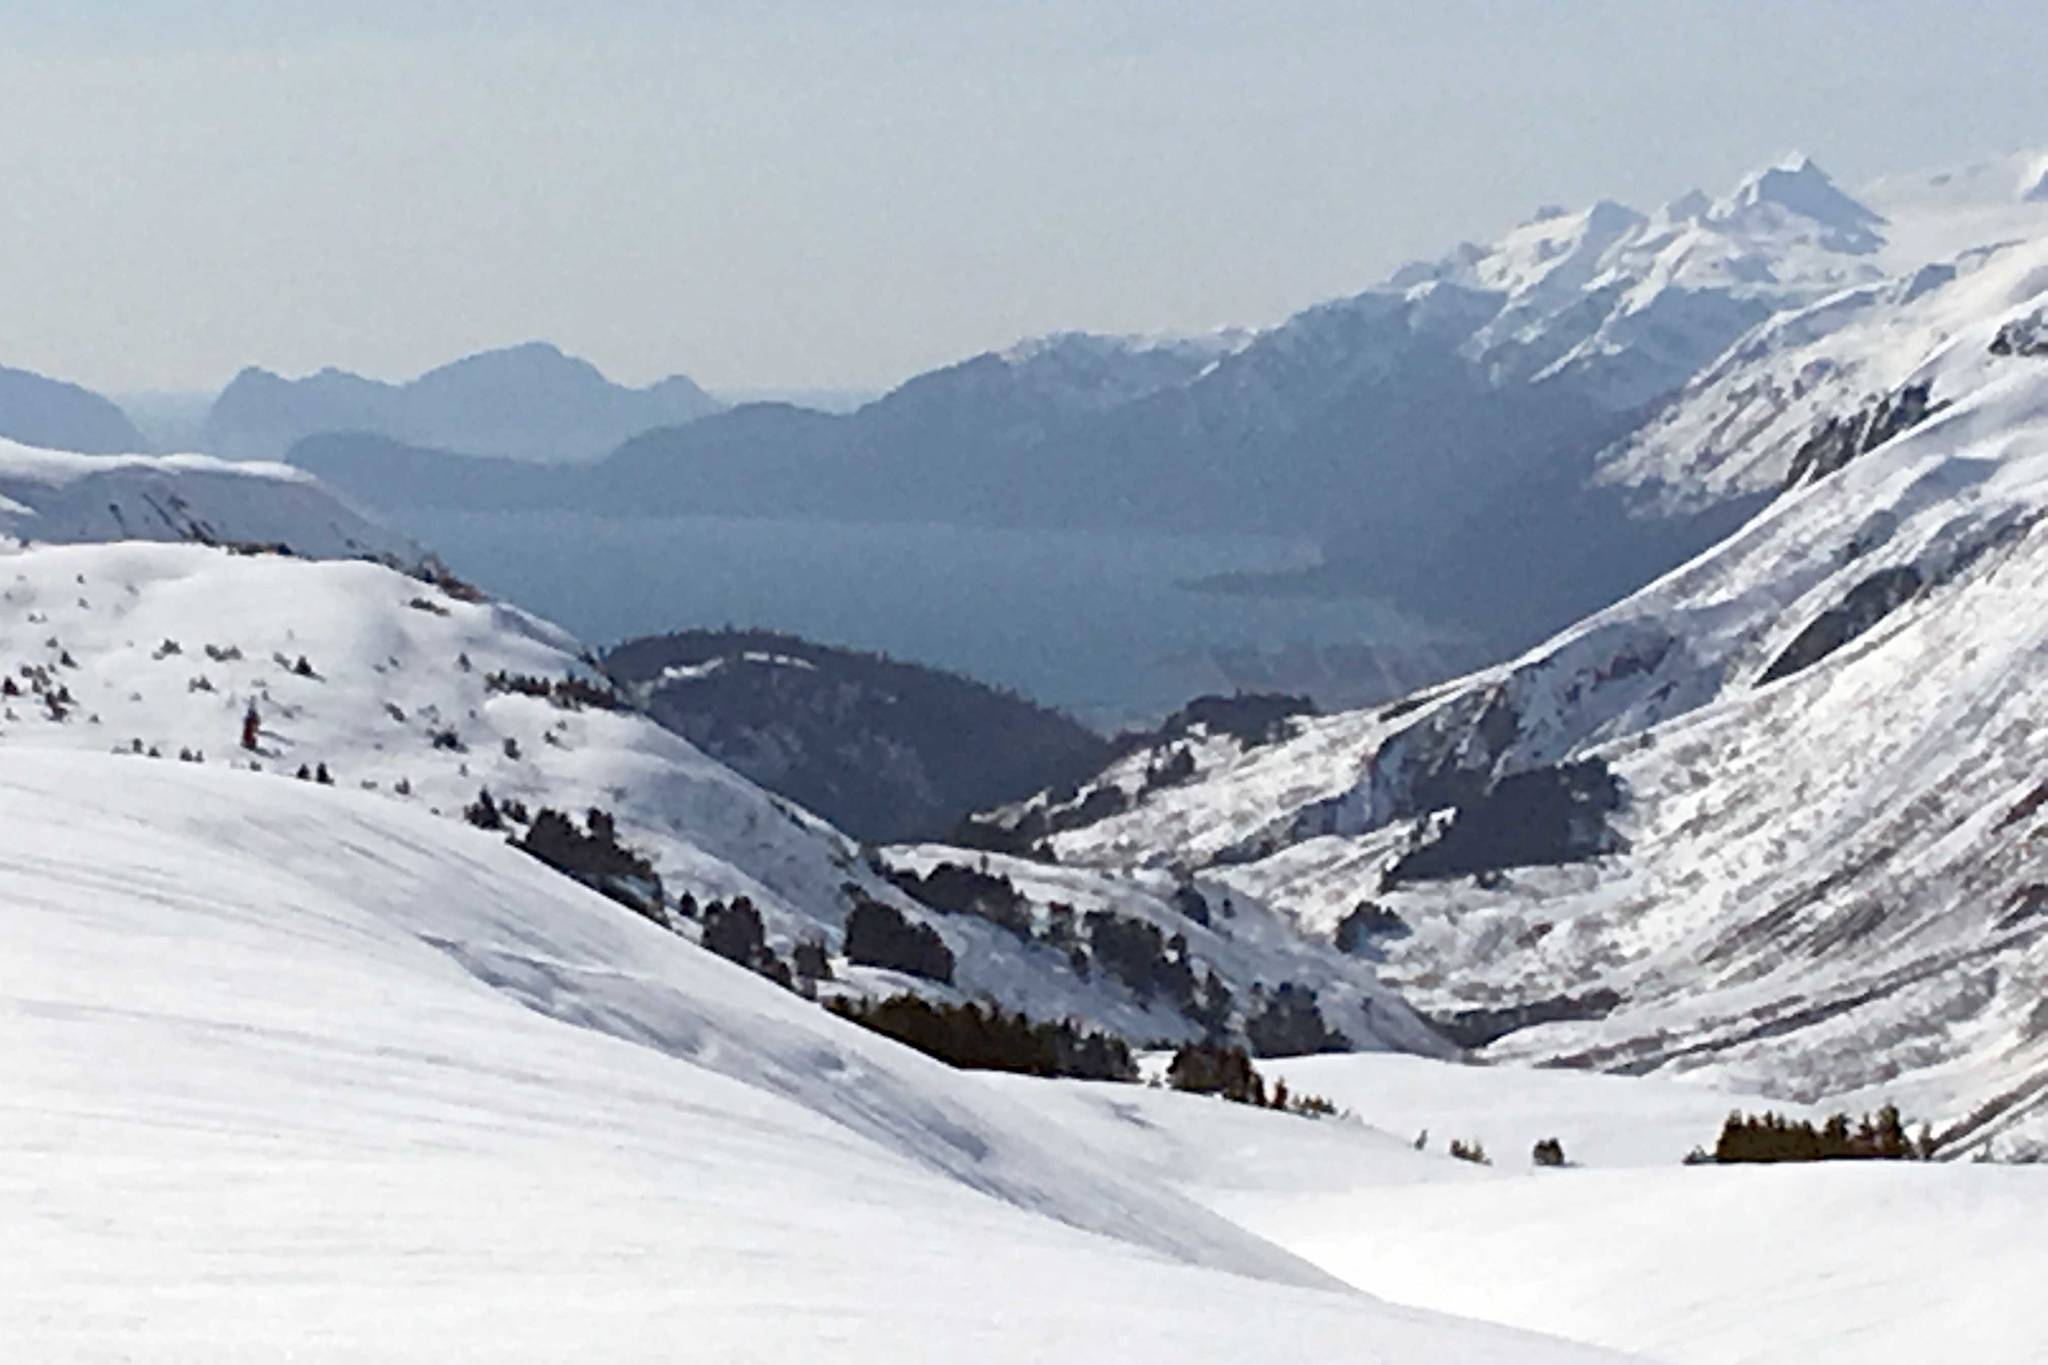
1057 376
1626 306
1798 187
1092 371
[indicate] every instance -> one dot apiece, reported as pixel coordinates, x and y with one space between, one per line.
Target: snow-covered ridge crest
1735 427
51 496
1629 305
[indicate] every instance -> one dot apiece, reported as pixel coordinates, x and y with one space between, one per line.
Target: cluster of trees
955 889
1176 767
486 813
735 932
1210 1068
570 694
1772 1136
1473 1151
985 1038
1136 952
1289 1023
1151 962
594 856
877 935
1367 923
432 571
55 696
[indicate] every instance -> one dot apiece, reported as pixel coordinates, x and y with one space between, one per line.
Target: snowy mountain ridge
1793 779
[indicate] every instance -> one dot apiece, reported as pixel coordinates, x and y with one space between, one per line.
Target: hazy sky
843 192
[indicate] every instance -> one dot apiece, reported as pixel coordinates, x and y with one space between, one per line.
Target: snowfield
296 1071
1626 1248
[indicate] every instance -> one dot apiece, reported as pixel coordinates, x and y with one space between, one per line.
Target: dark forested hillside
888 751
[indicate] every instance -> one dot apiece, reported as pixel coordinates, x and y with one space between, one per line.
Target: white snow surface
54 496
1625 1247
297 1071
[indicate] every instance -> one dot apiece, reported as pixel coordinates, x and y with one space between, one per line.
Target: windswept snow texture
1826 880
292 1071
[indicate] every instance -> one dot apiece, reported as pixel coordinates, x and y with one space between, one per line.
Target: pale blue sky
798 192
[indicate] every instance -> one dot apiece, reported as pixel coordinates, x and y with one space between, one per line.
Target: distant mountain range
50 413
1474 440
528 402
1455 438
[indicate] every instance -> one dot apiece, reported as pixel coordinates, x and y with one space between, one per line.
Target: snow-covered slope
1820 878
52 497
1627 306
1957 245
296 1071
411 689
1626 1247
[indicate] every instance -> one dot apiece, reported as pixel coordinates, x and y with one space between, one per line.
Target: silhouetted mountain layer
529 402
58 416
1440 436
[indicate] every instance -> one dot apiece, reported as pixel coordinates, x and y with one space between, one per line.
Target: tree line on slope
1773 1137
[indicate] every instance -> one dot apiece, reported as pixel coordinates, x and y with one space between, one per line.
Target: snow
163 647
51 496
1626 1248
298 1071
1628 306
1838 1262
